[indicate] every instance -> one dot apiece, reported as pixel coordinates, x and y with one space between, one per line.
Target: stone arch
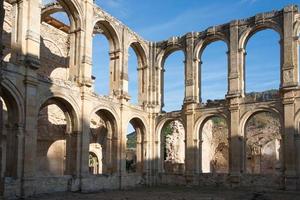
57 143
204 42
249 32
71 7
109 109
68 102
201 121
140 149
160 142
14 100
200 48
296 34
74 31
246 116
105 134
106 28
167 51
243 42
11 111
200 124
140 52
109 31
160 59
141 56
245 119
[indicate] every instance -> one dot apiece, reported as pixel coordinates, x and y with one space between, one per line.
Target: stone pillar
289 75
235 90
190 145
87 40
190 101
142 88
30 134
26 32
235 63
14 151
191 72
77 46
26 45
289 140
124 81
289 81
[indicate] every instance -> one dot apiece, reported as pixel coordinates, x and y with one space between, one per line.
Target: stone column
30 135
26 45
190 101
26 32
289 75
289 81
87 41
235 90
191 72
124 79
142 87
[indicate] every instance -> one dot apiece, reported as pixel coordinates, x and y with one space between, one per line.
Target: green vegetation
131 140
166 130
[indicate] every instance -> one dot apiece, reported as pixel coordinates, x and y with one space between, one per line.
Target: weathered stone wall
55 45
51 144
68 63
215 152
263 144
6 33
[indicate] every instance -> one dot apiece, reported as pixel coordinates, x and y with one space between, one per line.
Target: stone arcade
58 135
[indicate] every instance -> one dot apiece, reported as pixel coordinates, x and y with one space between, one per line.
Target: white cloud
248 1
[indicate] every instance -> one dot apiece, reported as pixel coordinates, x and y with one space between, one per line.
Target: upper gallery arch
71 7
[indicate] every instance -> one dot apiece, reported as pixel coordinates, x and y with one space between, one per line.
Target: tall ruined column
288 84
86 83
190 102
26 45
235 80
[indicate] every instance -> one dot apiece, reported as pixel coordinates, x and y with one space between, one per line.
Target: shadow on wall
51 142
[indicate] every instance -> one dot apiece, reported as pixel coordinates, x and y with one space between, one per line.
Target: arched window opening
133 76
51 148
57 44
173 82
263 144
106 55
262 65
9 125
215 146
101 69
102 156
131 149
135 151
94 163
173 147
214 71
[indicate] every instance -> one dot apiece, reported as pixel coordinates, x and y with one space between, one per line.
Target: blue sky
157 20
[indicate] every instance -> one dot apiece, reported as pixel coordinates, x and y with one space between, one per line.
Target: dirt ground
176 193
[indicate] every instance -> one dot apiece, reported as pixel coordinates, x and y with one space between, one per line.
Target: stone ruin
45 149
175 146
